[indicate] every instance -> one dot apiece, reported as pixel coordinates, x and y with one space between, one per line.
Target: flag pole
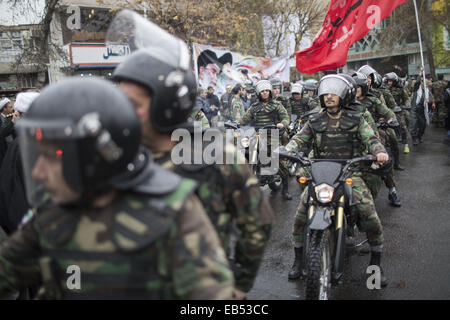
423 64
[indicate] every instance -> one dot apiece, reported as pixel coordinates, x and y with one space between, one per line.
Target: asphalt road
416 257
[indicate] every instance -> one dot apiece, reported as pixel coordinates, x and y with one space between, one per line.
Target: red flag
347 21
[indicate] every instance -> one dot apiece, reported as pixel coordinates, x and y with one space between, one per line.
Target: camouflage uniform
314 103
378 111
268 114
372 181
285 102
402 99
230 193
237 109
329 142
440 113
137 247
299 107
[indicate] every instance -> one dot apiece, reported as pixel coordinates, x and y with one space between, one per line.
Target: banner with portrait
219 67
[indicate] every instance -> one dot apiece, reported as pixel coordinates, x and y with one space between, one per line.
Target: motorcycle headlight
291 126
324 193
245 142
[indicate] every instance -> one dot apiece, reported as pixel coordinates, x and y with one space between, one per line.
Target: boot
375 260
406 149
395 201
396 155
297 268
285 191
415 141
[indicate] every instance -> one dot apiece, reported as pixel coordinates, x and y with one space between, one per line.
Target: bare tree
291 21
37 50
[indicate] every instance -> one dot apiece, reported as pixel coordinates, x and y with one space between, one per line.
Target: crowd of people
88 179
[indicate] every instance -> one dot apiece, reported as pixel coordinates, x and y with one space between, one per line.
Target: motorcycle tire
318 274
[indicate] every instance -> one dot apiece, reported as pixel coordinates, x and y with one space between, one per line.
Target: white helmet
263 85
297 88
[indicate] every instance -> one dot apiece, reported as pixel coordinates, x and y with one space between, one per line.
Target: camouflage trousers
373 182
368 220
388 138
404 121
440 113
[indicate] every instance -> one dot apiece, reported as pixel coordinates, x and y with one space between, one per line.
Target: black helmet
311 85
337 85
352 87
361 81
93 128
377 81
391 76
161 63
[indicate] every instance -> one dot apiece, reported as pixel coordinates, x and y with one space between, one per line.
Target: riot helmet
87 127
160 62
377 81
361 81
311 85
263 85
275 82
391 76
337 85
297 88
352 85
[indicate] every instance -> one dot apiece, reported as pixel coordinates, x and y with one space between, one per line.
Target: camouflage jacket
366 114
137 247
266 114
230 192
376 108
314 102
237 109
344 138
285 102
400 96
299 107
438 88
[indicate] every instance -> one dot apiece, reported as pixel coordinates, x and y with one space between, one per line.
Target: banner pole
423 64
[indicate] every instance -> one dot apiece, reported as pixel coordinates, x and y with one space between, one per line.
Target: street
416 256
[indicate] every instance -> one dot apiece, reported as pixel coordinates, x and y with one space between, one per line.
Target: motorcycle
249 139
331 218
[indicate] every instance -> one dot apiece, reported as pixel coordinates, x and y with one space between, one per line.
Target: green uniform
440 112
237 109
230 192
137 247
372 181
402 99
285 102
299 107
270 113
344 138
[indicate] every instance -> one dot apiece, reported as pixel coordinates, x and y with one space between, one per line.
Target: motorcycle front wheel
318 276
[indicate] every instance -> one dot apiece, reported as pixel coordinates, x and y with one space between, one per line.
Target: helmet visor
49 162
333 84
367 70
129 32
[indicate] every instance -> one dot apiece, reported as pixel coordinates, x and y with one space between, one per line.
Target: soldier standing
440 111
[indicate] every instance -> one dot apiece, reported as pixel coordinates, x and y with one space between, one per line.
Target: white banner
218 67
